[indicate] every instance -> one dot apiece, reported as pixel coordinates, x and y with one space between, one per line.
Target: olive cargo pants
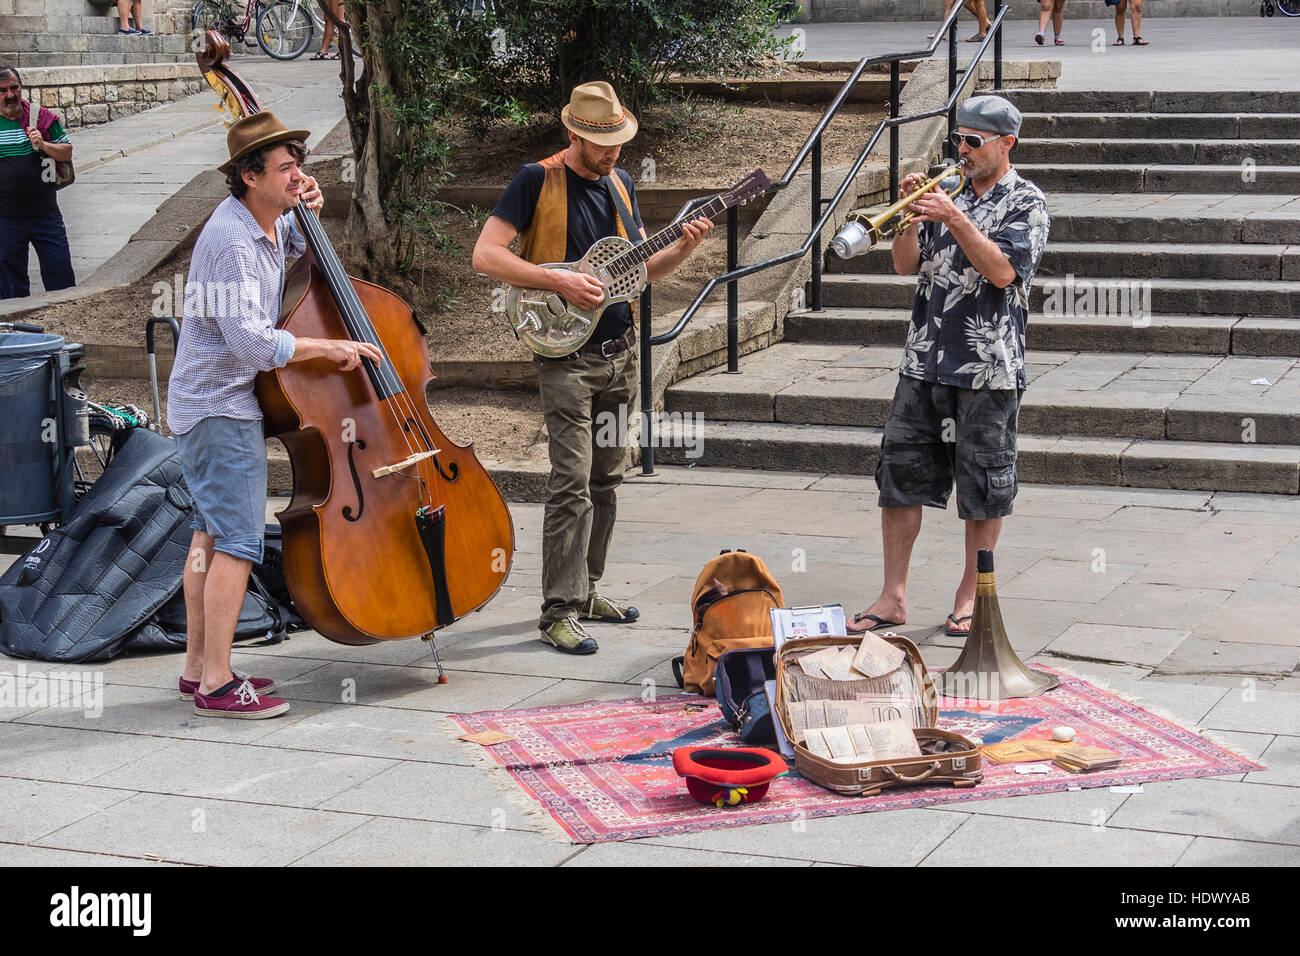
587 401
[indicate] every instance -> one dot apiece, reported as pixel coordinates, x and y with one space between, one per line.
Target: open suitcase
946 757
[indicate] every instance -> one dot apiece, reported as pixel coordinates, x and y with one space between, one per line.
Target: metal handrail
834 201
812 146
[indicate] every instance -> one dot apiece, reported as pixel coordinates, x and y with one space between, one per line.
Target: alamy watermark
683 430
1120 298
23 689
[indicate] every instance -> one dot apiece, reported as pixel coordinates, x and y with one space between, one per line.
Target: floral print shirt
966 331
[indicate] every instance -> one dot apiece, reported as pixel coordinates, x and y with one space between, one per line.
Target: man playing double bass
232 303
558 208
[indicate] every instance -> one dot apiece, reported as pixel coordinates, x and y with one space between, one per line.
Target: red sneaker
238 699
263 685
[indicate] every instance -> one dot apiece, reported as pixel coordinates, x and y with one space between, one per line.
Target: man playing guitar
558 208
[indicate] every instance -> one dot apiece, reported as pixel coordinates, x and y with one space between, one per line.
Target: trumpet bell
853 240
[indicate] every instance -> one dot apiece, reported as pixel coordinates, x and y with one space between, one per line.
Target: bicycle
288 27
220 15
1290 8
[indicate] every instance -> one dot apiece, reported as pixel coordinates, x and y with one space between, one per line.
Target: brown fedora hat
595 114
255 131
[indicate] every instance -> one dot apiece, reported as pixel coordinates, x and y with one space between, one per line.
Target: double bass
393 530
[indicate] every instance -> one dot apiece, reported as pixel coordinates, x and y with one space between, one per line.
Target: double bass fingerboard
360 329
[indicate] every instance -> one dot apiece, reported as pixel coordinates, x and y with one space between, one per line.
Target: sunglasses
973 140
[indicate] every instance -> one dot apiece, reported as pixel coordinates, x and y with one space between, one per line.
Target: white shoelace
245 694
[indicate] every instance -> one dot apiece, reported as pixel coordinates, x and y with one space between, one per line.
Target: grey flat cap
990 113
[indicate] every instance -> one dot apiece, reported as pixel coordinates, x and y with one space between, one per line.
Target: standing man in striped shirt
228 335
31 143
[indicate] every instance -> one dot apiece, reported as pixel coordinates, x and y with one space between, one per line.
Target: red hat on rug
729 777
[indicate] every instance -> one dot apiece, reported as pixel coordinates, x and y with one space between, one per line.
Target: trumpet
862 232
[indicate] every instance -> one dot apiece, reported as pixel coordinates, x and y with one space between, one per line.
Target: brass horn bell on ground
989 668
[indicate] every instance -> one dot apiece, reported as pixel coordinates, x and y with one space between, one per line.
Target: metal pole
733 291
952 88
647 397
997 48
816 217
893 131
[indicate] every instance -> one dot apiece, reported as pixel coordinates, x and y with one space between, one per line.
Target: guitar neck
664 238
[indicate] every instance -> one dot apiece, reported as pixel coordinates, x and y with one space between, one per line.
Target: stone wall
86 96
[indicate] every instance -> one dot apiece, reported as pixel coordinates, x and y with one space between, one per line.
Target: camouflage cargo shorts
936 433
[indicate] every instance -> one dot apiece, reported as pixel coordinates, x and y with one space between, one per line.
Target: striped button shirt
232 302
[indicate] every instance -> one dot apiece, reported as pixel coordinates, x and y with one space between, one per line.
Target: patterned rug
603 769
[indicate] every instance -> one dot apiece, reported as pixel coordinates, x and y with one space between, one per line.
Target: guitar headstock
751 187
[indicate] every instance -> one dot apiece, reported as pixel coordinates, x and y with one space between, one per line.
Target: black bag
738 682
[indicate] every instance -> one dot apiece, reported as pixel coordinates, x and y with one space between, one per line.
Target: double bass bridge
405 463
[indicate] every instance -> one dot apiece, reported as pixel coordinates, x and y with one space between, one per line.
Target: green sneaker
569 637
606 611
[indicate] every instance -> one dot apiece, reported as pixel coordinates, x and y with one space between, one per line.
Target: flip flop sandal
977 38
1138 41
956 631
320 56
863 616
1119 42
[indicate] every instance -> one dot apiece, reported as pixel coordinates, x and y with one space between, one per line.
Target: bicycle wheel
284 30
208 15
90 460
1290 7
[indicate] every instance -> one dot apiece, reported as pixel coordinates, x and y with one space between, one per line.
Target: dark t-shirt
26 187
590 217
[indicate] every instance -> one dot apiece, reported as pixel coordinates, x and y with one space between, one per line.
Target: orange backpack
731 603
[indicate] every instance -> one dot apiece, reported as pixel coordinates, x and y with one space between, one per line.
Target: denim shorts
224 463
938 433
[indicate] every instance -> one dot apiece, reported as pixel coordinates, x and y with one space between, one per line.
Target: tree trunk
370 245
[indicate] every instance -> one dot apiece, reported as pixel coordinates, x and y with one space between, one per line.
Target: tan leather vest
546 237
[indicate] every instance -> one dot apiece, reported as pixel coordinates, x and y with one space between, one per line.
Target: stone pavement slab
208 832
991 840
1215 807
380 841
896 838
288 778
648 854
1175 59
1210 851
34 808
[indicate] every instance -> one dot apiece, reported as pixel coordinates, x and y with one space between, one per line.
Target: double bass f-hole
452 473
356 482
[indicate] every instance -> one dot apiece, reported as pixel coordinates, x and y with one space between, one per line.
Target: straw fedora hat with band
252 132
595 114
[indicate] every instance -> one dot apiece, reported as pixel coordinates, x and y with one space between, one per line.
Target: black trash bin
42 420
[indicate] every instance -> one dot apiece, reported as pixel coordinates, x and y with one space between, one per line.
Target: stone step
1125 125
1197 152
1118 395
1128 260
1094 296
1031 101
1160 218
1156 178
1051 459
1183 334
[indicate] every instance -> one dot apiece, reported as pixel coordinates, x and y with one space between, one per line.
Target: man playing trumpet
963 371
